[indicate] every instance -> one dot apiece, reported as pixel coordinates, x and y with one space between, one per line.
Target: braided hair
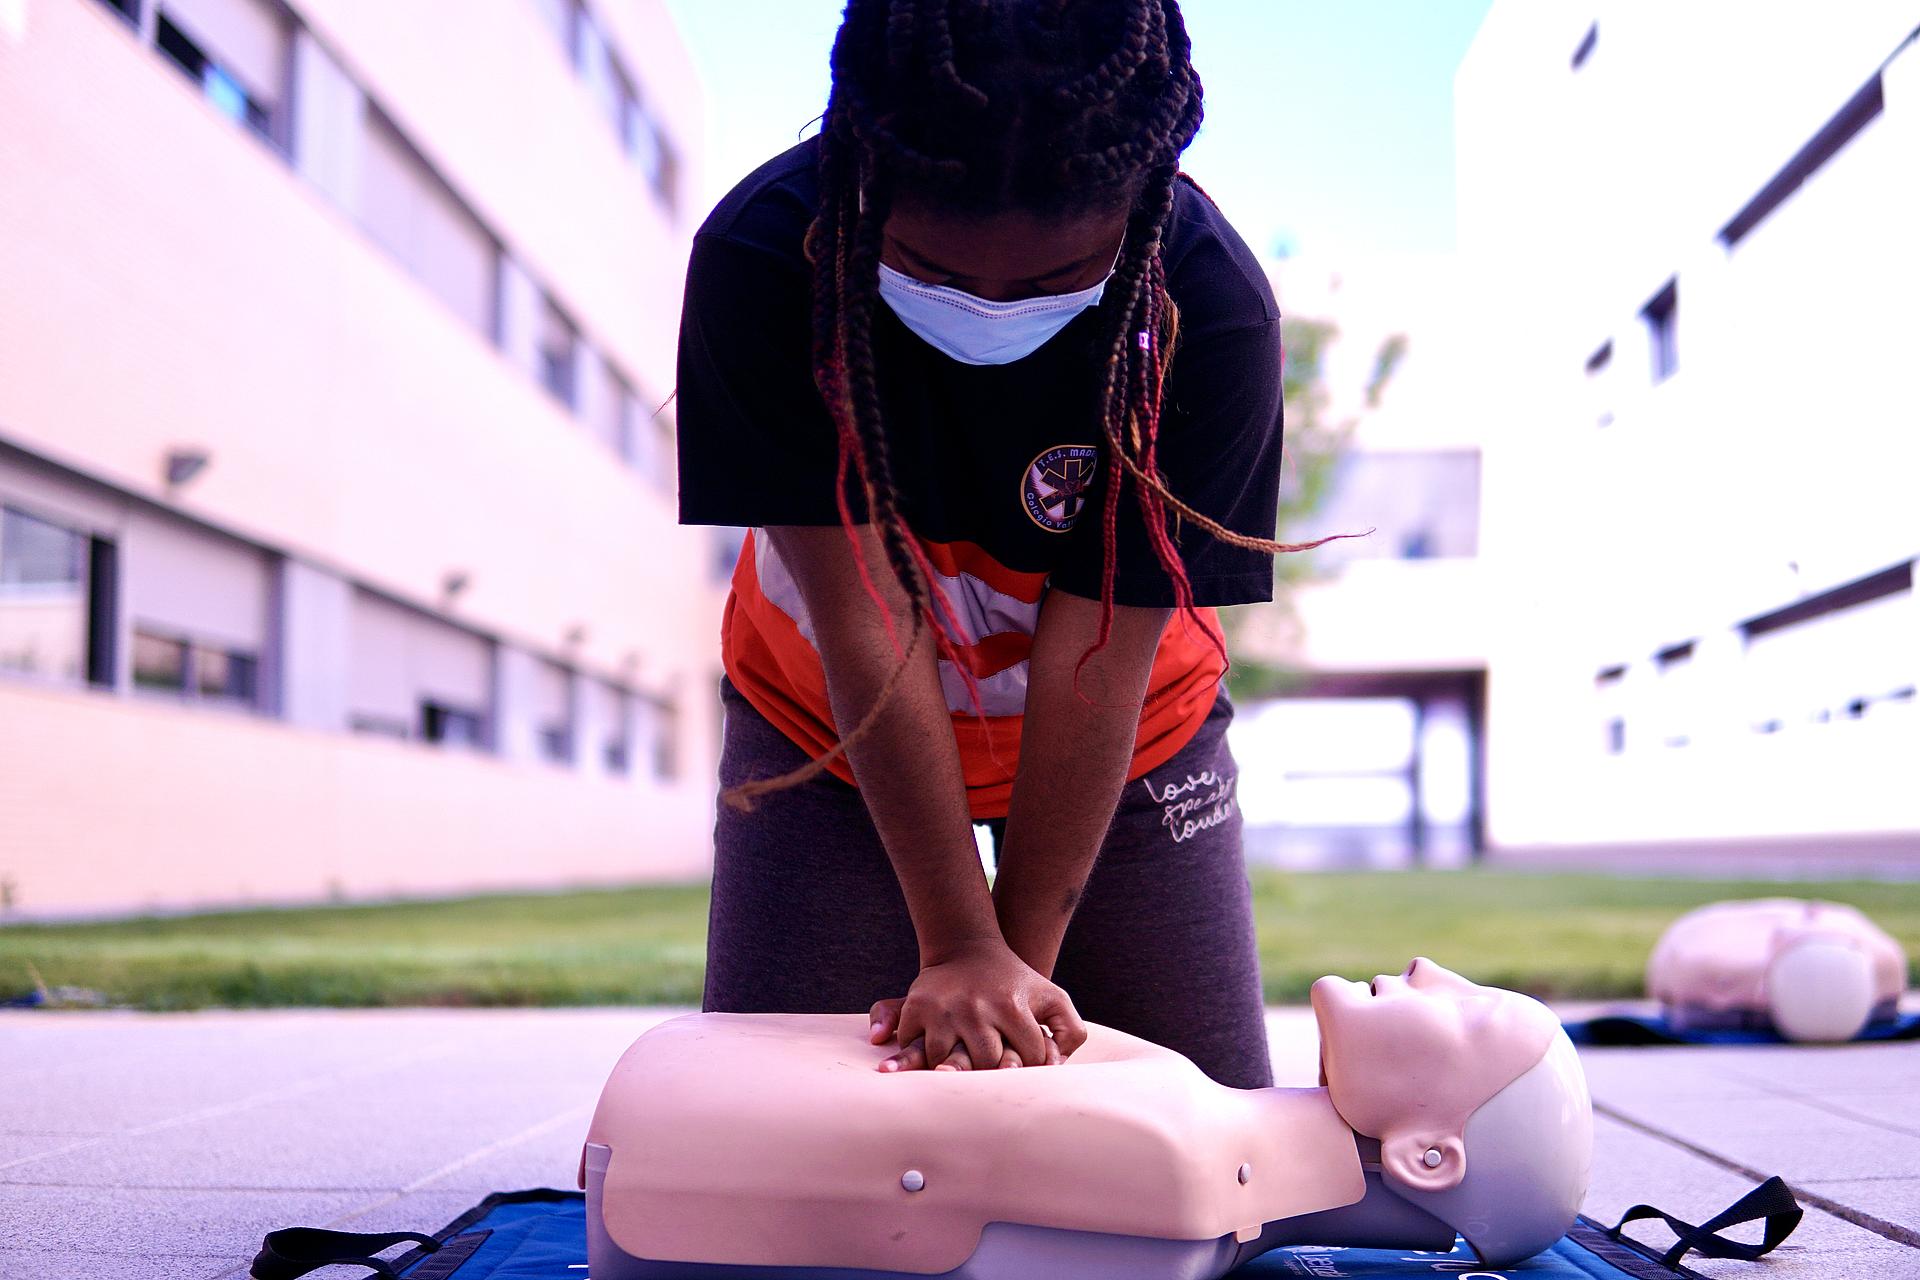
976 107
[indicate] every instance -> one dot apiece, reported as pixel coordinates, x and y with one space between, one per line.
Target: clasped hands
978 1006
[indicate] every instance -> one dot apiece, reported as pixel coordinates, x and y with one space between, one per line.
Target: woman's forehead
1004 246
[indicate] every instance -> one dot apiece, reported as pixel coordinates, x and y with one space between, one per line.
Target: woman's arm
972 989
1074 751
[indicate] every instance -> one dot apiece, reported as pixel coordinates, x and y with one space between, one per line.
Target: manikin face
1409 1057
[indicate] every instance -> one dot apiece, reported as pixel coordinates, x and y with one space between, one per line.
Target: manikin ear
1424 1161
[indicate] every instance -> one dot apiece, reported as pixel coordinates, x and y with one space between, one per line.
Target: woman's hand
979 1005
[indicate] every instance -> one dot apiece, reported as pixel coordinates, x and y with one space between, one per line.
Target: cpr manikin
768 1145
1808 970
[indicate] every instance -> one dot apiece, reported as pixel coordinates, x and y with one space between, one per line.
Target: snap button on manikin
913 1180
1246 1172
1432 1158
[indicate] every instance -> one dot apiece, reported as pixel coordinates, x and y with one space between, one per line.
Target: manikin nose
1405 976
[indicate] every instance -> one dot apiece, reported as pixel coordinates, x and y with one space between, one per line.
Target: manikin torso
772 1142
1125 1138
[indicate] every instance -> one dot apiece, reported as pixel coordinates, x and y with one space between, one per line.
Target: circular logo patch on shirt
1054 488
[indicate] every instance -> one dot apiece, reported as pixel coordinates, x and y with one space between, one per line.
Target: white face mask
975 331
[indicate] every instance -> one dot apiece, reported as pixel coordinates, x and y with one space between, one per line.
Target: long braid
1067 105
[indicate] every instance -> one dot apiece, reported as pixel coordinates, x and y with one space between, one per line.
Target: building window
646 442
1679 681
557 344
1844 654
1608 686
226 676
551 711
606 82
1597 365
1584 50
197 671
616 96
606 408
128 9
199 603
1422 504
558 17
47 604
1662 318
412 675
159 664
236 51
611 715
647 143
663 722
452 726
407 209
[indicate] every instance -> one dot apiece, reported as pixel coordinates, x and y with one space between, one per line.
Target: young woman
998 392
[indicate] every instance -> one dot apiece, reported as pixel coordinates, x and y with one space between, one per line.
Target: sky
1329 128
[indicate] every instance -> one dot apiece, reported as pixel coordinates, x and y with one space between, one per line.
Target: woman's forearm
908 763
908 767
1074 755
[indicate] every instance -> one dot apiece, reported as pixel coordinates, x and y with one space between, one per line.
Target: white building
1373 755
1696 308
337 541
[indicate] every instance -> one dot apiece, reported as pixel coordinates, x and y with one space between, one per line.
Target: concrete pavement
161 1147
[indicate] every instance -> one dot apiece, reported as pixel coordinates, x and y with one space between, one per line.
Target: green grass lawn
1551 935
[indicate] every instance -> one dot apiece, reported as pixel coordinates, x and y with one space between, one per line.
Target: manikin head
1475 1096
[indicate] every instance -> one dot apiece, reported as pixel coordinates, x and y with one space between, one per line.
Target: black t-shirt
974 446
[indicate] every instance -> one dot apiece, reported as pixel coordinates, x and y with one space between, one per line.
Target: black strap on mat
291 1253
1771 1200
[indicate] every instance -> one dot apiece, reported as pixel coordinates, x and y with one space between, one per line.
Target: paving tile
1894 1112
383 1118
548 1159
22 1146
1633 1168
1783 1136
337 1140
1895 1200
24 1264
1841 1069
1665 1071
172 1081
214 1225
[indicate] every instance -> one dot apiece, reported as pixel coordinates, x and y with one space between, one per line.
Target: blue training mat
1585 1253
542 1235
1653 1028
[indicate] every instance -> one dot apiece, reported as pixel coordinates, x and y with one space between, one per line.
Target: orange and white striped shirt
767 643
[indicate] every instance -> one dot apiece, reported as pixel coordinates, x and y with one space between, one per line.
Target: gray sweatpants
807 916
